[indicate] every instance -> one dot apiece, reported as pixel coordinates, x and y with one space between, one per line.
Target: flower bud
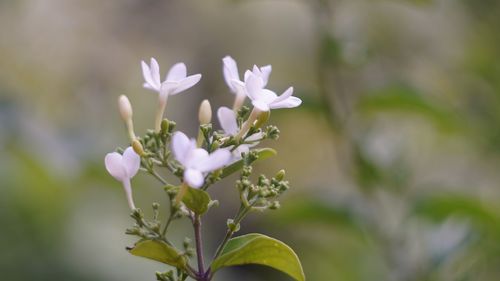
164 127
137 146
205 112
275 205
232 226
280 175
125 108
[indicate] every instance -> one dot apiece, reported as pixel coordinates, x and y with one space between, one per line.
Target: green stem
242 212
157 176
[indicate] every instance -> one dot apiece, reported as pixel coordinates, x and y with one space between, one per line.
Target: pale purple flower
227 120
123 168
232 78
197 161
264 99
175 82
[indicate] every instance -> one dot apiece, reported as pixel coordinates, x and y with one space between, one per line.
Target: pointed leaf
263 153
196 200
260 249
158 251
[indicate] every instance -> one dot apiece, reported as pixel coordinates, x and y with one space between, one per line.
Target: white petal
239 87
181 145
187 83
243 148
230 71
131 162
227 120
268 96
215 160
177 72
290 102
114 165
146 73
285 95
168 87
256 71
155 72
247 74
266 71
194 178
196 156
149 87
261 105
254 138
254 86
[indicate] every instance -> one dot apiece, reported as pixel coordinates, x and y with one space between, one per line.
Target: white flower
232 78
123 168
197 161
227 120
264 99
175 82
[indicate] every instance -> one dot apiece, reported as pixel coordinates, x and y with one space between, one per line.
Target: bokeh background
394 157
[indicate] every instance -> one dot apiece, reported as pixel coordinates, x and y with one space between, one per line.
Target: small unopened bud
126 113
137 146
275 205
232 226
205 112
125 108
186 243
164 126
280 175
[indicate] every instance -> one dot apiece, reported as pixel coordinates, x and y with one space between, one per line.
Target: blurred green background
394 157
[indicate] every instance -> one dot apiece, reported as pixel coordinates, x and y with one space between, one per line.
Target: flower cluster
196 160
202 161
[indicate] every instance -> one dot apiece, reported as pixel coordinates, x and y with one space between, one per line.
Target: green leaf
263 153
260 249
158 251
196 200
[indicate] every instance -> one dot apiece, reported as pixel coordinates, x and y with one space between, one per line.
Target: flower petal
186 83
254 138
227 120
243 148
149 87
261 105
146 73
155 72
247 74
194 178
196 156
254 85
266 71
181 147
131 162
215 160
290 102
230 71
177 72
285 95
239 87
114 165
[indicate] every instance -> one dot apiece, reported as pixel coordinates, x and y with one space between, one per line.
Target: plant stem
229 233
199 247
157 176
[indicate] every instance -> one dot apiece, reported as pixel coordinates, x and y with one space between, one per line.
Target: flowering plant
200 163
